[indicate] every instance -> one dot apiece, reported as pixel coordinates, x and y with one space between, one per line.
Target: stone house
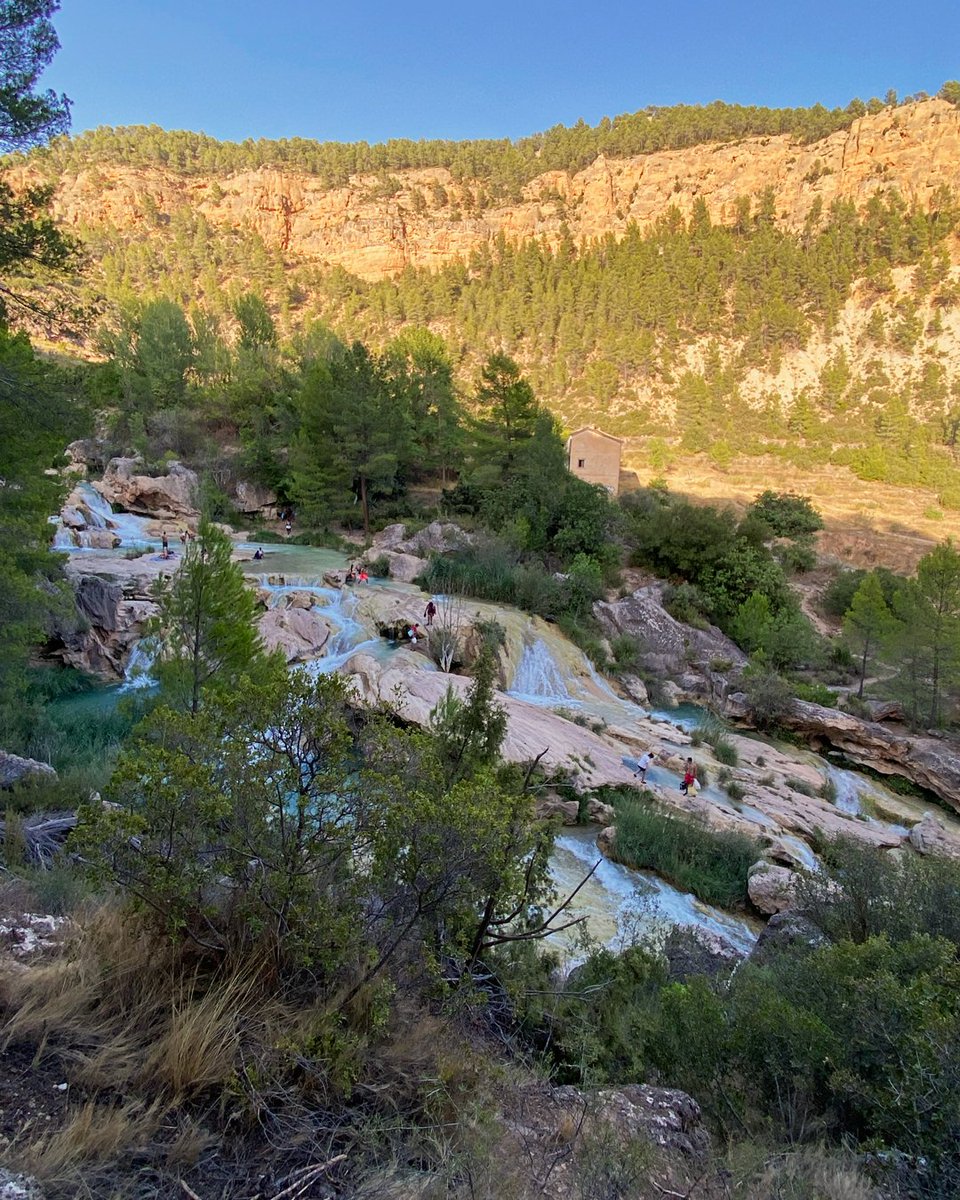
594 456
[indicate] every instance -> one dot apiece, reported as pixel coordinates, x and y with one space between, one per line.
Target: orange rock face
915 148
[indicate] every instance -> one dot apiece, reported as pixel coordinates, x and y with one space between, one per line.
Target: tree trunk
363 506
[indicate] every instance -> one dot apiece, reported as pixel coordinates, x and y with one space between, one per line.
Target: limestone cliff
428 222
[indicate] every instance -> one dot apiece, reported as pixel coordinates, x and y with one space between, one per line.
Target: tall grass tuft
713 864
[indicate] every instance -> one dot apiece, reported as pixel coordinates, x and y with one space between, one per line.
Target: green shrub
710 863
685 603
787 514
770 697
380 567
799 785
814 693
726 752
735 790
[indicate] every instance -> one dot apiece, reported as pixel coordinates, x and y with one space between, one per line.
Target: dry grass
125 1011
93 1133
130 1020
868 524
809 1173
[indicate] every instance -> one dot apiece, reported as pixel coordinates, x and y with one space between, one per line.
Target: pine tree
867 622
206 629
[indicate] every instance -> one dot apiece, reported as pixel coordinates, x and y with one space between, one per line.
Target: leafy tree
424 378
29 239
236 825
924 642
787 514
508 413
206 628
257 327
37 418
866 623
154 348
752 621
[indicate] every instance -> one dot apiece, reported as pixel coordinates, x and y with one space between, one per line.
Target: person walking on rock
643 762
430 612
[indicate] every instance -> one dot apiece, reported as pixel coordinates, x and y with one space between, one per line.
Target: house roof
593 429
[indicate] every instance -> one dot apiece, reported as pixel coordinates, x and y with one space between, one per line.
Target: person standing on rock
643 762
430 612
689 777
164 543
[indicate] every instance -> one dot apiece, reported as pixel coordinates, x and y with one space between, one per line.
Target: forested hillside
719 280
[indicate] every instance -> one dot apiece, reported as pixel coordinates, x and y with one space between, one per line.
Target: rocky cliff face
425 223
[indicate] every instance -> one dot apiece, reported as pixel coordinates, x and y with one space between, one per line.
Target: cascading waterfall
99 515
138 671
539 677
851 789
618 903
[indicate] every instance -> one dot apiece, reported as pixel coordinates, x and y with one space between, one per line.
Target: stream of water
550 672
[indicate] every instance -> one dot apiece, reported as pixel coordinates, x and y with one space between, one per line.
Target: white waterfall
137 673
539 678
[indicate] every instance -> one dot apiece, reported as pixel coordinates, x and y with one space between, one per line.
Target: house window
581 462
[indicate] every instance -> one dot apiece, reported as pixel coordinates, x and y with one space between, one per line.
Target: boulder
787 931
553 806
690 950
387 539
301 600
600 813
91 453
635 689
439 537
98 600
98 539
299 633
668 647
251 498
14 769
930 836
404 567
72 517
771 889
544 1116
606 839
167 497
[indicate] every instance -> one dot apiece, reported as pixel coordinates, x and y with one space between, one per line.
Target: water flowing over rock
170 497
932 763
114 612
701 659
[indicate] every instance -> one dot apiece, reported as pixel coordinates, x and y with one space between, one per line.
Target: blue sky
373 70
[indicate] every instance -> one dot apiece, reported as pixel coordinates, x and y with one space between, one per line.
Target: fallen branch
306 1176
